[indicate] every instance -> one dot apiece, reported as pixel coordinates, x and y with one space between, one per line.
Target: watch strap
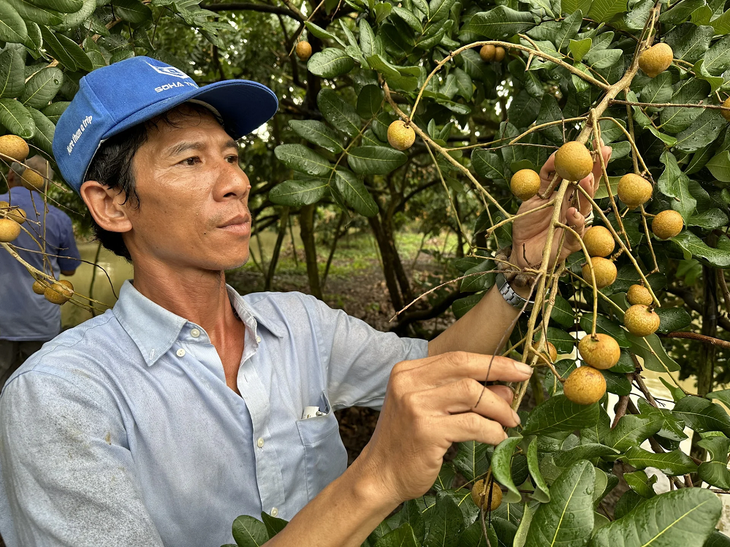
510 295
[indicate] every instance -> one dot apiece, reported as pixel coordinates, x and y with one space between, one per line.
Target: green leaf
44 130
632 430
273 525
445 479
658 90
673 319
690 42
64 6
716 58
579 48
715 473
488 164
605 326
586 451
12 78
355 193
675 184
16 118
676 119
605 10
73 20
53 111
375 160
42 87
471 460
481 277
132 11
408 18
317 133
446 523
671 463
694 246
680 12
32 13
702 415
249 532
640 483
533 464
717 539
338 112
567 519
66 51
722 395
382 11
12 26
703 131
500 22
502 463
715 82
300 158
719 166
709 220
562 312
296 193
400 537
369 101
560 414
322 34
439 9
393 74
651 350
330 62
675 519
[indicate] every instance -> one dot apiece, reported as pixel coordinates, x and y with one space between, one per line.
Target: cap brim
242 104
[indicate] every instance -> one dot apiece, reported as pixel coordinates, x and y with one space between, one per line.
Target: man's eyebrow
182 147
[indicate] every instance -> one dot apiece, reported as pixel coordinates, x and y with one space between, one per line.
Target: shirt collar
154 329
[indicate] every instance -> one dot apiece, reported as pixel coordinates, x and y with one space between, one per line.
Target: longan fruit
667 224
499 54
480 495
400 135
524 184
573 161
638 294
656 59
634 190
9 230
487 53
60 292
604 269
14 147
585 386
304 50
601 352
599 241
640 320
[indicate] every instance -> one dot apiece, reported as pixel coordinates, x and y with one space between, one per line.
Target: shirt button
258 339
181 352
274 512
260 442
195 333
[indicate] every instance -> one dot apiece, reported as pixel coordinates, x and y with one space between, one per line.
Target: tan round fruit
585 386
667 224
726 113
499 54
400 135
601 352
525 183
487 53
634 190
14 147
573 161
33 180
480 495
60 292
9 230
39 287
552 352
641 321
656 59
17 214
599 241
604 269
638 294
304 50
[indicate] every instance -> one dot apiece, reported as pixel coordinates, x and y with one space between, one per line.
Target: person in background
27 319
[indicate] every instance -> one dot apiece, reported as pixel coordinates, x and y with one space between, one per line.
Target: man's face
193 196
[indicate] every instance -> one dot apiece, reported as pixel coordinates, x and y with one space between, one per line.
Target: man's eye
191 161
232 159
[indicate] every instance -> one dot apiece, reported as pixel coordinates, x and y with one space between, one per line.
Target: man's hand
529 233
430 404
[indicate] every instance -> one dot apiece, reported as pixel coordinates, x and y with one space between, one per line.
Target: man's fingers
470 426
453 366
467 395
576 221
546 172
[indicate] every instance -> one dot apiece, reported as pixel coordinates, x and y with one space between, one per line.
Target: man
187 405
27 319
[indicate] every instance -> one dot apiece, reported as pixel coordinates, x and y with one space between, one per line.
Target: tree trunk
283 224
389 256
306 223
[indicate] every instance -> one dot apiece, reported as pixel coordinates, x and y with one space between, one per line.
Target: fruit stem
520 215
648 240
646 172
593 277
675 105
443 152
544 125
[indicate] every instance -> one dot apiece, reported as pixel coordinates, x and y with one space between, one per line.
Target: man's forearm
482 328
342 515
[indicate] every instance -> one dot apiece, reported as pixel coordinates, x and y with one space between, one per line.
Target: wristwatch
510 296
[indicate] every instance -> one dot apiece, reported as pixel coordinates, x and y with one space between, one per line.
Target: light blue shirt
122 431
25 315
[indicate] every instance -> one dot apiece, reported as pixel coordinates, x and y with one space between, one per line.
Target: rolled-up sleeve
68 476
359 358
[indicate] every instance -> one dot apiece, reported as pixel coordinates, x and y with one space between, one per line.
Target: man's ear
107 206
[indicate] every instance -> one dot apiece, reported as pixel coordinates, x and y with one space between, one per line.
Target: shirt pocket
325 457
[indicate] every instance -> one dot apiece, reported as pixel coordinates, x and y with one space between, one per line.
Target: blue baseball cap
114 98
